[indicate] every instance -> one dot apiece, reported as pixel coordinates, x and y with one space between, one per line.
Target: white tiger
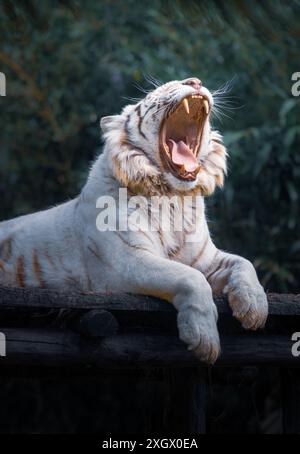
163 145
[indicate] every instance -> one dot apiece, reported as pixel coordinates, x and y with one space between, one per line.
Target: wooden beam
30 298
58 347
95 323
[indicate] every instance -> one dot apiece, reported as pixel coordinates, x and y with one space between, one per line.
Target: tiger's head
165 143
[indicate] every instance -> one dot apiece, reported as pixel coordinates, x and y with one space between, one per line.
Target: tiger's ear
111 122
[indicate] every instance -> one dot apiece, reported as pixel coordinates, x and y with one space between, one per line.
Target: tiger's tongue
182 155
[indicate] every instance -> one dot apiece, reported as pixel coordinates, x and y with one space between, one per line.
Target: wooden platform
118 333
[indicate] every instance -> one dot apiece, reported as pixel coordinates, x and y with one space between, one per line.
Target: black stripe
138 111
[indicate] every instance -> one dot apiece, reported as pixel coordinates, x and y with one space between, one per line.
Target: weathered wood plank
96 323
279 304
57 347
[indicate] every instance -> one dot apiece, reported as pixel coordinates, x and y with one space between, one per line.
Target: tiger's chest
179 224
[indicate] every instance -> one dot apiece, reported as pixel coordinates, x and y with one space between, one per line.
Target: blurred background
67 63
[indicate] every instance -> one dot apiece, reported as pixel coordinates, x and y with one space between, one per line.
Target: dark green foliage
68 63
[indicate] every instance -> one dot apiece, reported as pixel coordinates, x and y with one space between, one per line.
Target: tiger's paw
249 305
199 331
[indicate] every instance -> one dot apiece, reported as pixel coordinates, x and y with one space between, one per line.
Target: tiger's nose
194 82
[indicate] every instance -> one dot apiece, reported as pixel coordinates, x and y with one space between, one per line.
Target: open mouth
181 134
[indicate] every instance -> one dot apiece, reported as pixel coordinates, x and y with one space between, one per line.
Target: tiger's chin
182 186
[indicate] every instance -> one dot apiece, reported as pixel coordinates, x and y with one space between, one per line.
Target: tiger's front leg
191 295
145 273
236 277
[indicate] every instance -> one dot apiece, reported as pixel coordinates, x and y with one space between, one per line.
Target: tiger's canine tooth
206 106
186 106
